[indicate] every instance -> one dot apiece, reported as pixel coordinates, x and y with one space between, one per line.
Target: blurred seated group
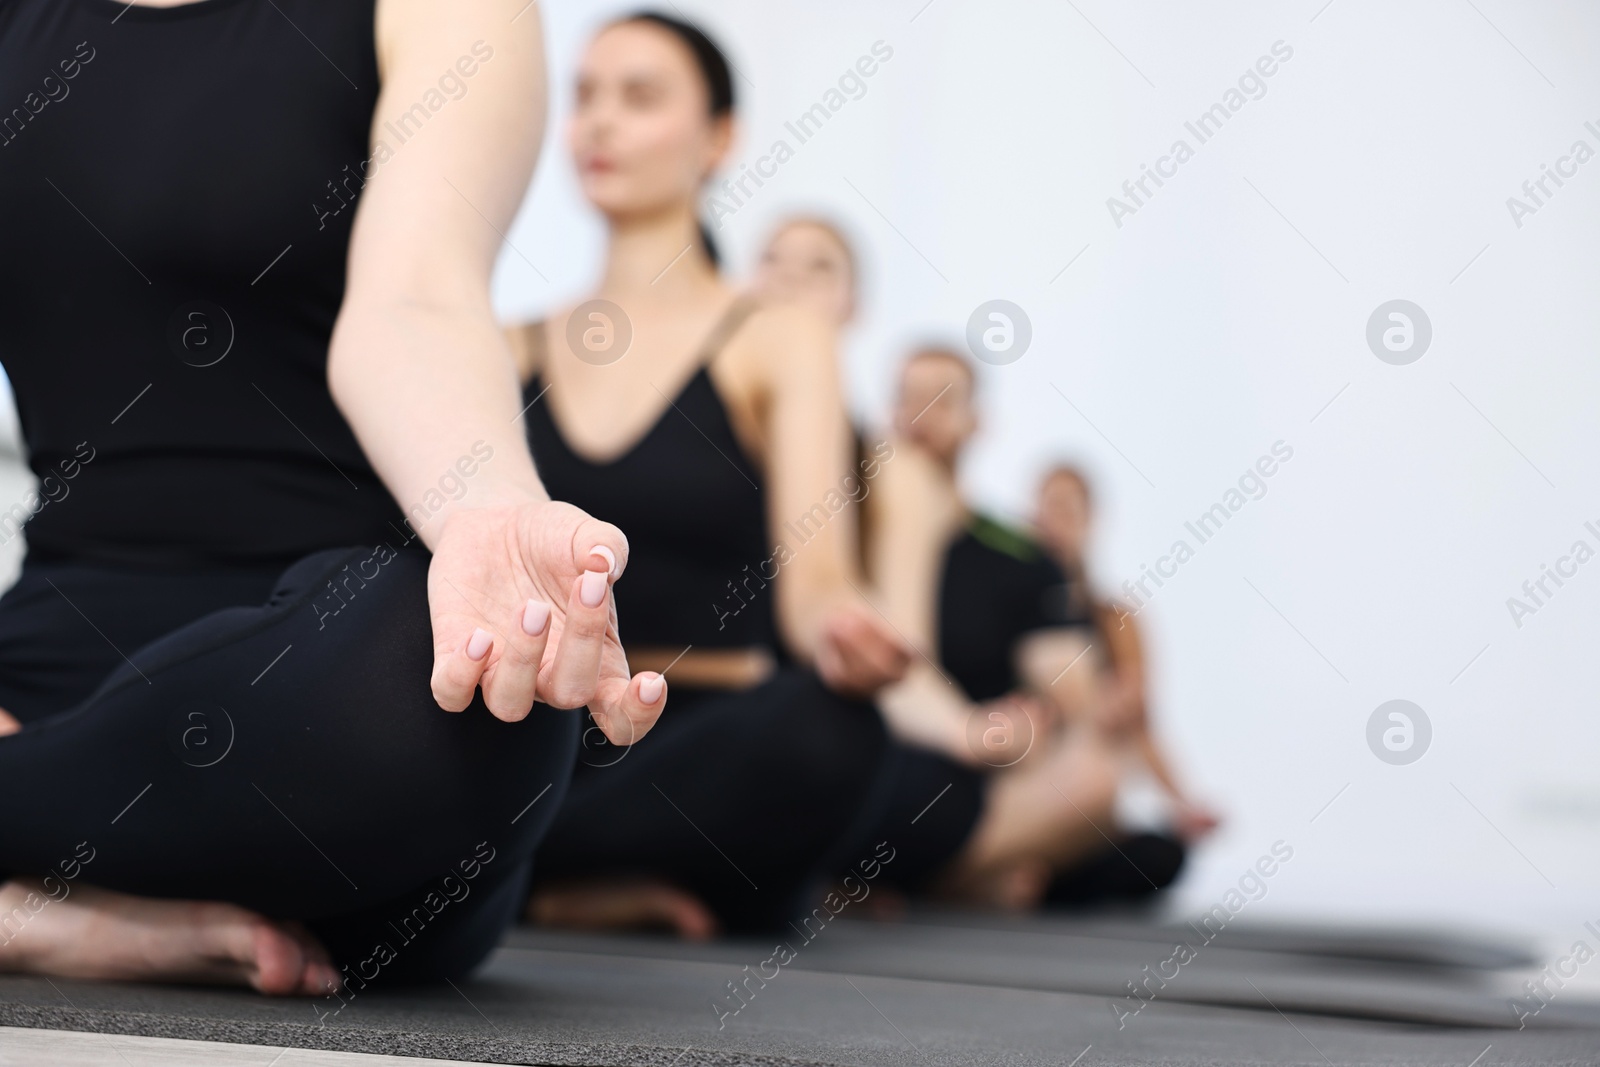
782 665
863 666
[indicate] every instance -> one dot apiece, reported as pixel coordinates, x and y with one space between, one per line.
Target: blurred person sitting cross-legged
1014 799
1063 518
1003 722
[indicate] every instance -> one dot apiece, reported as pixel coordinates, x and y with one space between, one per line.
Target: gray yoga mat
934 991
1439 980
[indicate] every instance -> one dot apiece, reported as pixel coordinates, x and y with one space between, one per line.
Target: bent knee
819 736
1091 779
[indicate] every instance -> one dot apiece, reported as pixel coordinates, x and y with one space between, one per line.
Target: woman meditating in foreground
230 662
714 431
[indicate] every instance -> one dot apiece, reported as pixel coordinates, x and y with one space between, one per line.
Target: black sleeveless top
997 586
693 506
178 186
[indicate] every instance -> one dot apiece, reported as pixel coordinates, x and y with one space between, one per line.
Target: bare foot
635 904
1021 887
97 933
885 905
8 724
1051 811
1018 887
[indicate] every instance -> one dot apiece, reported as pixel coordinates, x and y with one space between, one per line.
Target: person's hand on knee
858 652
521 602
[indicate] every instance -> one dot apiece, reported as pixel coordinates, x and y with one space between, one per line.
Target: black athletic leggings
740 797
270 739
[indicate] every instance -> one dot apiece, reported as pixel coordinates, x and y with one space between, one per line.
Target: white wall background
1209 326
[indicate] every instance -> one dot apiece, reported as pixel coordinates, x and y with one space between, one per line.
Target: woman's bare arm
422 373
814 487
915 515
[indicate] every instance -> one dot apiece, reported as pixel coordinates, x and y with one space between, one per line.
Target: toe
319 979
320 976
279 964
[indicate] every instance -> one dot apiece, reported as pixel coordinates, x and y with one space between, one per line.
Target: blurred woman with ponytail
713 429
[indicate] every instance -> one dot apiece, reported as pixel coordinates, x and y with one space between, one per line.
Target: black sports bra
693 506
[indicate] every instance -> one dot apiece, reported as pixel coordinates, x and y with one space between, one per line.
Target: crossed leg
199 817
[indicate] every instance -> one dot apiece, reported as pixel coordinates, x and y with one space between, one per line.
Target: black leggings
271 740
740 797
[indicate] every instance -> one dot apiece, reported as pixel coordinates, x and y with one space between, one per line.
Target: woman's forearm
924 710
808 597
432 396
417 364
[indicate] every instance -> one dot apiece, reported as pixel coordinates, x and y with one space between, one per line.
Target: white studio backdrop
1228 312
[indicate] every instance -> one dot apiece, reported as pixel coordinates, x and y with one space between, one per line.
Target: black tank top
997 586
693 506
178 186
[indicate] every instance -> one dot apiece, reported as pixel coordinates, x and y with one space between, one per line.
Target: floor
64 1048
935 990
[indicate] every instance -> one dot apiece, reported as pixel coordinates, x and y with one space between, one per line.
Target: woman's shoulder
782 326
782 352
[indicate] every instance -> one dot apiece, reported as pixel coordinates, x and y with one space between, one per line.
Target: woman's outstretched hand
520 596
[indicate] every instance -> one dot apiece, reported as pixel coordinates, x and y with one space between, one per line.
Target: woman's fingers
456 672
573 675
600 546
510 683
840 664
884 652
831 668
862 652
626 708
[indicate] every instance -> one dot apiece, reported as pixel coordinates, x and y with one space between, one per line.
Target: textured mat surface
939 990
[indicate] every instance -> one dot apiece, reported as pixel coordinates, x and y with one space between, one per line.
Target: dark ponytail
718 77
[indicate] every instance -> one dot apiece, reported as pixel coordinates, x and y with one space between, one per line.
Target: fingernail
478 644
593 588
330 978
610 558
650 686
534 617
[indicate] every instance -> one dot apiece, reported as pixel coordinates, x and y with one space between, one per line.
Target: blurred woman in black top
713 427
